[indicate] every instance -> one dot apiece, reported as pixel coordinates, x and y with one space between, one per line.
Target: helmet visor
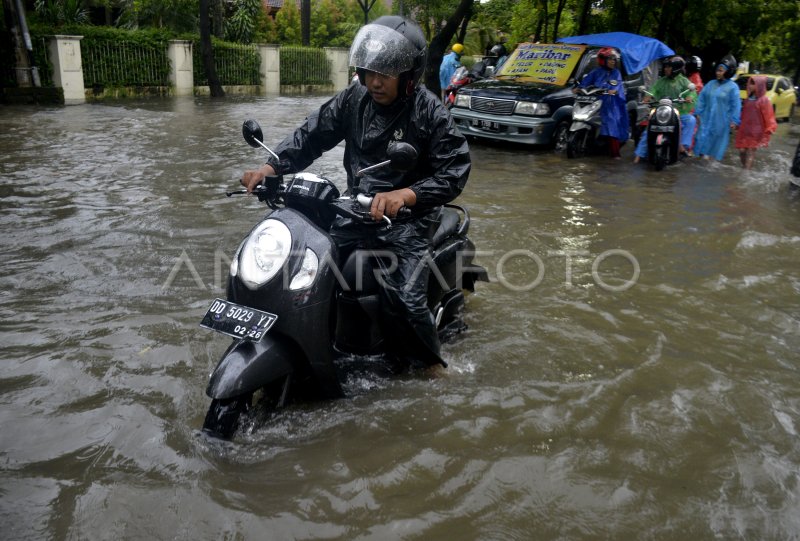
383 50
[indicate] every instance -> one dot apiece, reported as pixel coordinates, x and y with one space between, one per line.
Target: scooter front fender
578 125
248 366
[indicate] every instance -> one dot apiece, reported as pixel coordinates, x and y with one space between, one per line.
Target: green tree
241 25
288 24
60 12
178 15
766 33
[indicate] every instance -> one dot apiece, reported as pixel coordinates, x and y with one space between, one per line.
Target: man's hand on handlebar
390 203
251 179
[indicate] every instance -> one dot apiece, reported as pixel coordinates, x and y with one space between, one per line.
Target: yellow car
780 92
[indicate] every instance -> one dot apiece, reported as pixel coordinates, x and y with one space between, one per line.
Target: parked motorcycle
664 131
584 131
293 307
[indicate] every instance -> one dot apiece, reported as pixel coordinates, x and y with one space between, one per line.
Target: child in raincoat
718 112
758 121
614 114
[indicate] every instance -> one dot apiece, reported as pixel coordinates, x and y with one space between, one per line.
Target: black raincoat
367 128
440 174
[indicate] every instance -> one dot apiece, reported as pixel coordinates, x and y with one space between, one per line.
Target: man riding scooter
388 105
673 85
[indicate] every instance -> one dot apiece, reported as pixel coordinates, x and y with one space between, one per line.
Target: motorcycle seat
448 225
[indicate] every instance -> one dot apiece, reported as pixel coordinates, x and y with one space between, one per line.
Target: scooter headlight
663 114
585 112
235 261
307 273
264 253
462 100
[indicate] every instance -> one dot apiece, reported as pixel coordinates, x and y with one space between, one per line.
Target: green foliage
236 64
177 15
288 23
304 66
266 29
767 33
334 23
61 12
112 57
241 26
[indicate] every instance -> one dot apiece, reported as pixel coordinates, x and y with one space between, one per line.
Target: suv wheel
560 136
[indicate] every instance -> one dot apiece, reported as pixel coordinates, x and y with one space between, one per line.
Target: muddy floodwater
631 372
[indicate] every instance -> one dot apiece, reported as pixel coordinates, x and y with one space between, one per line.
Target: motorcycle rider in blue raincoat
614 114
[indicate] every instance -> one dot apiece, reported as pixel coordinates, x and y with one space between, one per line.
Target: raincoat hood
761 85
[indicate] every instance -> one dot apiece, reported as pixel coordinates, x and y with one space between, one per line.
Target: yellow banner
543 62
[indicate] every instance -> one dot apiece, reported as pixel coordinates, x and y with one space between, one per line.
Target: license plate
662 129
238 321
486 125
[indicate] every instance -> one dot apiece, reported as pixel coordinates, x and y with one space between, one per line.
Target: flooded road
632 372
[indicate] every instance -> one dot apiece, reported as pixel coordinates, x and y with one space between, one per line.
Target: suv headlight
532 108
462 100
264 253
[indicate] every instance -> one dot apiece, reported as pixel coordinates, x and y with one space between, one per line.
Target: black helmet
730 64
694 64
392 46
498 50
677 64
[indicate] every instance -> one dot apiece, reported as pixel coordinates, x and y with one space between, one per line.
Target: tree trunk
305 22
462 34
663 20
366 8
217 10
545 18
22 60
537 36
207 51
559 9
583 22
440 42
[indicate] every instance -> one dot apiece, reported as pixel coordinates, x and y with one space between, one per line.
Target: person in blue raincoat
450 63
614 114
718 111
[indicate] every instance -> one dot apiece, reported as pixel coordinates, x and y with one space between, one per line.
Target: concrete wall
181 73
65 53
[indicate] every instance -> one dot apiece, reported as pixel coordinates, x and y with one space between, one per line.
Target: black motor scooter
293 307
664 131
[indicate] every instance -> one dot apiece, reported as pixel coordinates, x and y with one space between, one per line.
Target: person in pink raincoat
758 121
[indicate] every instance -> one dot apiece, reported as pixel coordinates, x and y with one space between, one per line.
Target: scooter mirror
402 156
252 133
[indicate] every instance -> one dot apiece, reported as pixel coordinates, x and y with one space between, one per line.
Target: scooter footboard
248 366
